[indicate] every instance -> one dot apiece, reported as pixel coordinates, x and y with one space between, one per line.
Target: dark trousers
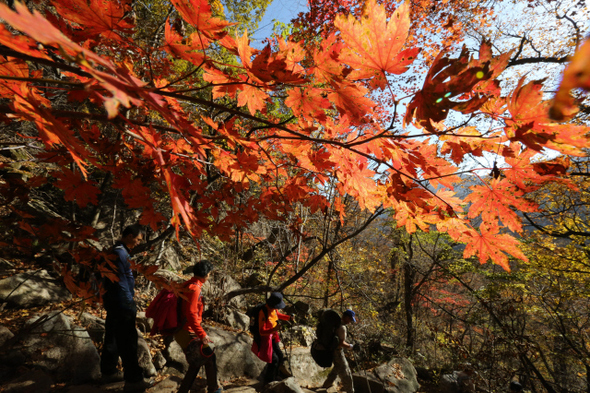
193 371
272 370
120 339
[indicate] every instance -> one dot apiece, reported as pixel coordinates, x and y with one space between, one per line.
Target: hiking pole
291 344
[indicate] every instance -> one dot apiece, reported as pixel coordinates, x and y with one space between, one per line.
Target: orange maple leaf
351 99
253 97
308 103
198 13
576 74
530 124
489 244
494 200
374 44
174 46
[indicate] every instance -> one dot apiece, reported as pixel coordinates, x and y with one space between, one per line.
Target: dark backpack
253 313
166 311
322 349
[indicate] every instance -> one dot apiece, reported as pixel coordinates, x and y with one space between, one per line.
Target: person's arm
194 313
284 317
341 333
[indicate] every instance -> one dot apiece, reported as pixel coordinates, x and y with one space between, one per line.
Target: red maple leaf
76 188
21 43
104 17
450 85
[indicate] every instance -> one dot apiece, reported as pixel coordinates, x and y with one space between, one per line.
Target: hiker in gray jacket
341 368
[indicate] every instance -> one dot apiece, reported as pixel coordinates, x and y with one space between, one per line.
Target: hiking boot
117 376
139 386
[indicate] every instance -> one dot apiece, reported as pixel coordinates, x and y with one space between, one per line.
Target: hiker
120 337
192 338
341 368
266 346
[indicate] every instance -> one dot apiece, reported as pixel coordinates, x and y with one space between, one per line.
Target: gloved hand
356 347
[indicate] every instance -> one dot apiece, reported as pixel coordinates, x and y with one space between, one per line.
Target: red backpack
166 311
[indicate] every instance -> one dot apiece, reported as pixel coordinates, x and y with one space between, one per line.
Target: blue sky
281 10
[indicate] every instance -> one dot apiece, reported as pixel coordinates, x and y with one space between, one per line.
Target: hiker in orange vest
269 349
192 338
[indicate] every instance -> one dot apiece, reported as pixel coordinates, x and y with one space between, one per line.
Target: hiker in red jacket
192 338
269 350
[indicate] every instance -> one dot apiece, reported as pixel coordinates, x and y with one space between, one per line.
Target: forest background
422 162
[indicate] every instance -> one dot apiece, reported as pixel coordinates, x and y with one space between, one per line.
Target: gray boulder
169 385
36 381
175 357
159 360
396 376
5 265
93 325
288 385
304 368
56 345
240 389
234 357
458 381
238 320
32 289
218 285
144 324
5 335
299 335
169 276
9 358
171 259
145 357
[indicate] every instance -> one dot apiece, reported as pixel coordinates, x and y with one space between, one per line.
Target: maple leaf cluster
234 139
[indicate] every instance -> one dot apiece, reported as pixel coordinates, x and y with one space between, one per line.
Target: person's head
348 316
132 236
275 300
202 269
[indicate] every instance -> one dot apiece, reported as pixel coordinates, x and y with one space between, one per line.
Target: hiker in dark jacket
120 338
269 349
341 368
192 338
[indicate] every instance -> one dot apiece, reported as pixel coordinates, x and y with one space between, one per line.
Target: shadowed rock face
57 346
32 289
